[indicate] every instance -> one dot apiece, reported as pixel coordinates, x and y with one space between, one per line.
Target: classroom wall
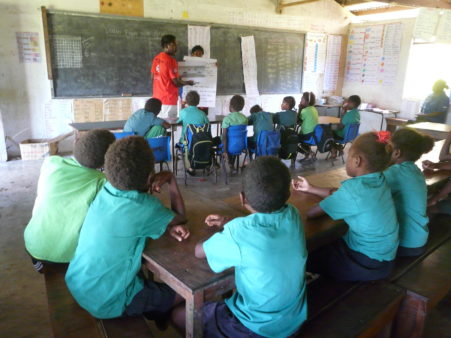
25 89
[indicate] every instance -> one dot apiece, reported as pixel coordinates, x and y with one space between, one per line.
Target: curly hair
355 99
411 143
255 109
167 39
192 98
237 103
377 154
290 101
266 184
128 163
153 105
90 148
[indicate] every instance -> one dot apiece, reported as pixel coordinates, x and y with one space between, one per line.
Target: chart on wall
373 54
433 25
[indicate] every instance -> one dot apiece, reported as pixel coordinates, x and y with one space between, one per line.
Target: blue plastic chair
313 141
161 149
123 134
236 145
268 143
350 134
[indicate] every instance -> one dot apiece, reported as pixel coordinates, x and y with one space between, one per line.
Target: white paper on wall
57 114
28 47
315 52
391 54
444 27
332 67
354 54
199 35
372 54
117 109
426 24
138 103
249 65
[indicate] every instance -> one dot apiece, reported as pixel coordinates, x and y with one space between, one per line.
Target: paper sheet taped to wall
117 109
426 24
88 110
249 58
28 47
58 114
199 35
332 67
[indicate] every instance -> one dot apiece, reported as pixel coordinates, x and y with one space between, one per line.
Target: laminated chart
28 46
354 54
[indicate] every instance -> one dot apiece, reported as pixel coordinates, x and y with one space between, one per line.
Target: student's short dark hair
377 154
309 97
237 103
192 98
197 48
411 143
355 99
266 184
90 148
167 39
290 101
153 105
255 109
128 163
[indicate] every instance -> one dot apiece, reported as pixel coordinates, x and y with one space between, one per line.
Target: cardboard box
36 149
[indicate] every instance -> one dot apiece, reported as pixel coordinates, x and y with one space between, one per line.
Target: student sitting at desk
103 275
367 251
409 189
66 188
261 120
267 249
287 117
308 117
145 122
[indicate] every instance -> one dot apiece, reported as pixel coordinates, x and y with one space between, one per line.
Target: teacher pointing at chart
165 77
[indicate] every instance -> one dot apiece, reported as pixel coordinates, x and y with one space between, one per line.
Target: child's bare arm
163 177
315 211
443 193
199 250
303 185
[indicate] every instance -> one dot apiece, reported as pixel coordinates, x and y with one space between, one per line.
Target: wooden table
438 131
434 177
382 113
328 120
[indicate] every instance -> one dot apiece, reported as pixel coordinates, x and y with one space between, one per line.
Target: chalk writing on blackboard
68 51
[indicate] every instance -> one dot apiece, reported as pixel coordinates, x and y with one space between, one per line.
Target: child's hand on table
216 220
429 165
158 180
179 232
301 184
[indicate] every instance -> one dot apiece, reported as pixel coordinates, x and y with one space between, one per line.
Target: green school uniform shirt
351 116
286 118
269 255
102 276
261 121
141 122
366 205
191 115
309 118
409 192
65 191
234 119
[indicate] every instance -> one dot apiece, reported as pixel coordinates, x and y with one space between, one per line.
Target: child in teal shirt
261 120
267 249
66 188
409 189
145 122
351 115
103 275
191 114
367 251
287 117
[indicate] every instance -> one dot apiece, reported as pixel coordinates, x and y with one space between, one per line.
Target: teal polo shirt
269 255
409 192
234 119
191 115
351 116
141 121
102 276
261 121
286 118
366 205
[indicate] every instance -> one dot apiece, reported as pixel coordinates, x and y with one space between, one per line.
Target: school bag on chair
268 143
324 138
201 143
288 143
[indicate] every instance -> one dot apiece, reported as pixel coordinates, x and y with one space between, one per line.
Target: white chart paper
426 24
199 35
58 114
249 65
332 62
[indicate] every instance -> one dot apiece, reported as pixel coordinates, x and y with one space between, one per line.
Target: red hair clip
383 136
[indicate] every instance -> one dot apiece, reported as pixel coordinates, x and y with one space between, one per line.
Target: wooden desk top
434 176
438 131
328 119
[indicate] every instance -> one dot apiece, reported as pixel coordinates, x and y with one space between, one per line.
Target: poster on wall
392 50
426 24
372 54
332 67
354 54
28 47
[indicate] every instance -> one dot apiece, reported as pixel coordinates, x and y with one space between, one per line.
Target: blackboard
107 56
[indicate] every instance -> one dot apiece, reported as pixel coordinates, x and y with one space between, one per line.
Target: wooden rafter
445 4
380 10
282 4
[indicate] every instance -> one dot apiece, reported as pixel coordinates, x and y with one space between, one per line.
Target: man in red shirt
165 76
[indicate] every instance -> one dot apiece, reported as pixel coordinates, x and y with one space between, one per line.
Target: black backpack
200 150
324 138
288 143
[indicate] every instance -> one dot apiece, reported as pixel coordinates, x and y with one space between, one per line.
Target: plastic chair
314 140
350 134
161 150
123 134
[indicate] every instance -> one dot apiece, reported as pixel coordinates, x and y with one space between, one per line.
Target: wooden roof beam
380 10
281 4
445 4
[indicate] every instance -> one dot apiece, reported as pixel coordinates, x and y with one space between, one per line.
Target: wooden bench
68 319
426 283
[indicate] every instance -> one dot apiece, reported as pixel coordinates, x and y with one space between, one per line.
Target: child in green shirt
66 188
368 250
287 117
267 249
261 121
308 118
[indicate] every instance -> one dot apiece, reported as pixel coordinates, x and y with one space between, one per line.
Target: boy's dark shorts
154 297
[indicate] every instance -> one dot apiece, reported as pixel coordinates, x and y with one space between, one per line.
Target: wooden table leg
173 129
194 305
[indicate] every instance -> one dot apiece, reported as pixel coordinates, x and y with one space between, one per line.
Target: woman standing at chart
165 77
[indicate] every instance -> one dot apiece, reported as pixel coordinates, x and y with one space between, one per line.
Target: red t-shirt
164 69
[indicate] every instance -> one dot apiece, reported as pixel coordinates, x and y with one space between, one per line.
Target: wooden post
48 54
194 305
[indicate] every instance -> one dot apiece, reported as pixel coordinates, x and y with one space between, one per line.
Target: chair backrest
351 132
317 134
161 148
123 134
323 138
236 139
268 143
189 134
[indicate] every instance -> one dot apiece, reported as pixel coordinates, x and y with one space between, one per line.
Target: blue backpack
268 143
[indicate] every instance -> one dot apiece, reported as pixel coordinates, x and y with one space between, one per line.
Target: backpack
268 143
201 144
289 143
324 138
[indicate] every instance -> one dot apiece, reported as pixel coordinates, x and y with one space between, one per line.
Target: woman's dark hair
197 48
411 143
237 103
266 184
167 39
255 109
376 153
128 163
192 98
90 148
309 97
153 105
290 101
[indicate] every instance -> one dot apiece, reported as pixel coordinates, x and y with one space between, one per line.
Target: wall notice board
107 56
